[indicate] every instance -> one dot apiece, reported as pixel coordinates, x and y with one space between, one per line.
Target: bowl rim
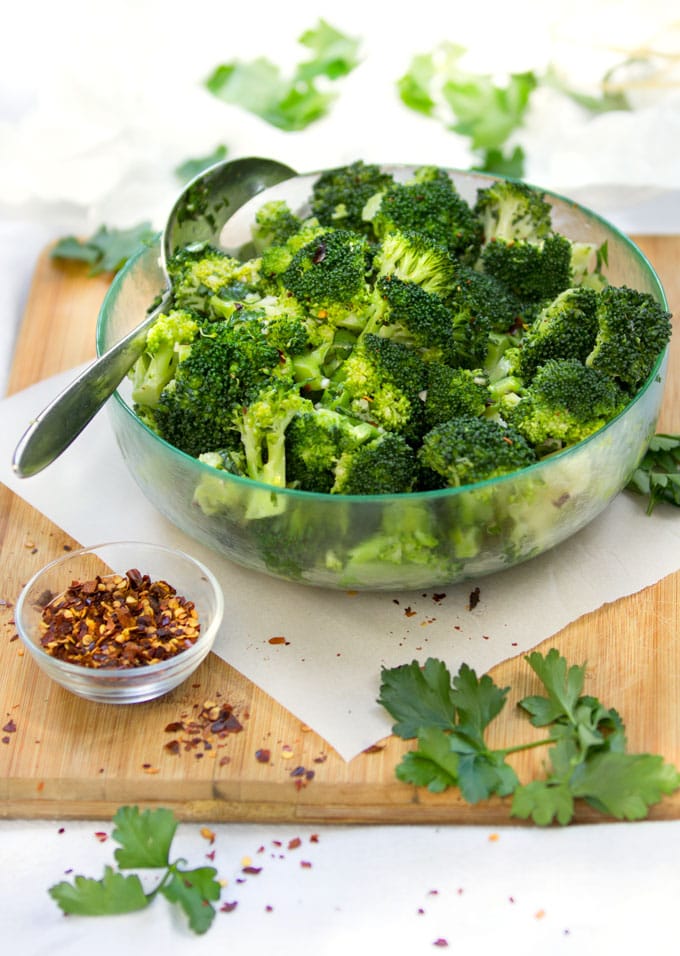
110 674
499 481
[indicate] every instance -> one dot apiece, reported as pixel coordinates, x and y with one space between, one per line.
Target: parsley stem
529 746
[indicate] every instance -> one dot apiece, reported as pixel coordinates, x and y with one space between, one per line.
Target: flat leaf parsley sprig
588 758
145 839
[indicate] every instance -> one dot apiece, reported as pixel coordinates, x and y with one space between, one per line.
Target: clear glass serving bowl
190 578
338 541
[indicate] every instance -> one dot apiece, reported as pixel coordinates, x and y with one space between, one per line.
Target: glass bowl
189 577
364 542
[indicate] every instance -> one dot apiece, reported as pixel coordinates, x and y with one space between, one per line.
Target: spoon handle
53 430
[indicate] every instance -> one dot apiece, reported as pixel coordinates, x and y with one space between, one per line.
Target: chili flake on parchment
121 621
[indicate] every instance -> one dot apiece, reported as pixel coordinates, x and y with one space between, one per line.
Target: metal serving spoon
198 215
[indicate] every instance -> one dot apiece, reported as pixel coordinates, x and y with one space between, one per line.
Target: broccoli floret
167 343
225 366
203 276
531 271
277 256
511 210
381 382
315 440
430 205
633 329
385 465
468 449
328 276
452 392
262 426
565 402
405 312
407 542
275 223
564 328
485 297
413 257
339 195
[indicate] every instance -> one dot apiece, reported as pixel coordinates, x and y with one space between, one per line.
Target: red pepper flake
263 756
297 772
322 758
172 747
474 599
409 612
438 598
314 838
374 749
210 855
10 727
61 830
441 942
305 864
101 836
228 907
268 908
278 640
174 727
118 621
252 870
208 834
5 740
294 843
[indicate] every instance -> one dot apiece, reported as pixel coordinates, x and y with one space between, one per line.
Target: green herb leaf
657 477
194 890
433 765
564 688
473 105
289 103
113 894
418 697
544 802
477 702
624 785
144 836
107 250
190 168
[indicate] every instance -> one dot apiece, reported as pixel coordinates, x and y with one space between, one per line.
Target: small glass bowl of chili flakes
121 622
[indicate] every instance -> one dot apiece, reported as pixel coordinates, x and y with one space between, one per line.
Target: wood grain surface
62 757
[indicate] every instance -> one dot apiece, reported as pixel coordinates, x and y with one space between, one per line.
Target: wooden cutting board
64 757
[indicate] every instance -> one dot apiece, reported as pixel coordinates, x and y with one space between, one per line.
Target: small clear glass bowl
190 578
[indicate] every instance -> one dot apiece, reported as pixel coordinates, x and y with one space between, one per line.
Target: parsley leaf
193 889
113 894
107 250
290 103
473 105
657 477
587 757
145 839
418 697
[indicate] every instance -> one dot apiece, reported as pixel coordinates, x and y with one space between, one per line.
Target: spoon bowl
198 215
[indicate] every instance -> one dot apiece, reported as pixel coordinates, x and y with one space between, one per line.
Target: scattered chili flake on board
121 621
278 640
263 756
10 727
474 599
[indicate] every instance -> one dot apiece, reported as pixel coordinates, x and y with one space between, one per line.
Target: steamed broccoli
315 440
565 402
430 205
385 465
532 271
168 341
275 223
509 210
468 449
328 275
453 392
632 330
201 275
564 328
414 257
381 382
339 195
